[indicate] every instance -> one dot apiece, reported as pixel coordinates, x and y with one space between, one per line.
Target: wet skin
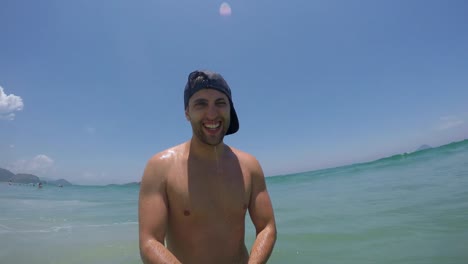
208 202
195 196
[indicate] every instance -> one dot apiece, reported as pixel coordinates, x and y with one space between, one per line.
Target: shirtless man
194 196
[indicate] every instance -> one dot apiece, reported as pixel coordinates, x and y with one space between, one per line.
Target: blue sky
91 89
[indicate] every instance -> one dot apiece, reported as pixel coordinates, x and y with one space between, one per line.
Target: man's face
208 111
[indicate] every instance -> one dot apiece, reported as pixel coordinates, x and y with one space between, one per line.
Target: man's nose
212 111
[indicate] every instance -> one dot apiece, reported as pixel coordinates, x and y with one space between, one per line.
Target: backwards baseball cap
198 80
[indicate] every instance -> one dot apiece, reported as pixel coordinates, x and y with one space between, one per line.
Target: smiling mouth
212 125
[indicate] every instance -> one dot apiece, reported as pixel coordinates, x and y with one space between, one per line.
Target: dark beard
205 139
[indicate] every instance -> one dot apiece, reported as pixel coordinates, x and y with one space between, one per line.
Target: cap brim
234 125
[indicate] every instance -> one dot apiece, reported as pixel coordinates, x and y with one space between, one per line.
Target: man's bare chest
209 192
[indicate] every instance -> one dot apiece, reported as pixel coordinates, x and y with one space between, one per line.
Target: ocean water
409 208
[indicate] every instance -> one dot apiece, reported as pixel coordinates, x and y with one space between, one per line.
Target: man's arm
152 214
261 213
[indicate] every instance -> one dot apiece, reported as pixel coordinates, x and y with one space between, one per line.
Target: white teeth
212 126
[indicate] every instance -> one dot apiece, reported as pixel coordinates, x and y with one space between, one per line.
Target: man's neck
205 151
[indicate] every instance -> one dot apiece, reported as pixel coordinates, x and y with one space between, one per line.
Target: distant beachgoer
195 196
39 185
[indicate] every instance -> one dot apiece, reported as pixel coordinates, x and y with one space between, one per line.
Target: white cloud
448 122
40 164
9 104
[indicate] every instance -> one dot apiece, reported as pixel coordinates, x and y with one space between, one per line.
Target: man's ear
187 116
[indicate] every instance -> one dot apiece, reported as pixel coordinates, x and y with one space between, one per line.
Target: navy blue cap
198 80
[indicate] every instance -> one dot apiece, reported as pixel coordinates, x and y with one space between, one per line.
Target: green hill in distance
24 178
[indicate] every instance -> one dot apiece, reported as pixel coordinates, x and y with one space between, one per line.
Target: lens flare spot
225 9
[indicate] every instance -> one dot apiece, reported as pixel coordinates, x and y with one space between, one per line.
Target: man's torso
207 204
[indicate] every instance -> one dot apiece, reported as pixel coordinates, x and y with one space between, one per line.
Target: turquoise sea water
409 208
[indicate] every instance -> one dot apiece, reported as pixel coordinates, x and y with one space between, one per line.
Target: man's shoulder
161 163
240 153
168 155
245 157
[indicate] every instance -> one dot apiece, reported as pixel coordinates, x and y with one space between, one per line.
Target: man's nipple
186 212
